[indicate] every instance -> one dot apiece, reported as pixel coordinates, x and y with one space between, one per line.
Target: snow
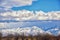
23 31
28 31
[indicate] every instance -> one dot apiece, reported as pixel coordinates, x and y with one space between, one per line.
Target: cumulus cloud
8 4
3 9
30 15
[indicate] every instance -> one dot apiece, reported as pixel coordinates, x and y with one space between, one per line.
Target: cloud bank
30 15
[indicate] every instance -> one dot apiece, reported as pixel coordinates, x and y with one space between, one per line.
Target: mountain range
30 31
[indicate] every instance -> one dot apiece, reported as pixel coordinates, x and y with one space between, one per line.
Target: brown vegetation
38 37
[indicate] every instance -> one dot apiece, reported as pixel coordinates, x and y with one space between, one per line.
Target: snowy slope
30 31
55 31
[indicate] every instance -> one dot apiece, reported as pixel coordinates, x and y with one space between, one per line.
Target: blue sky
44 5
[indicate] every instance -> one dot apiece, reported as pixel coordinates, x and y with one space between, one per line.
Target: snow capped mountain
54 31
24 31
59 33
30 31
36 30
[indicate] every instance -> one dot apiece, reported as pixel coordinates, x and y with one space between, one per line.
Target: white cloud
15 3
8 4
30 15
11 25
2 25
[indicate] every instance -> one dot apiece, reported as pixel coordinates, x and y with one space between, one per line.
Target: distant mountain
30 31
54 31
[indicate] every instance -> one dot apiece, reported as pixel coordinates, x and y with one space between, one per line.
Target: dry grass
38 37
